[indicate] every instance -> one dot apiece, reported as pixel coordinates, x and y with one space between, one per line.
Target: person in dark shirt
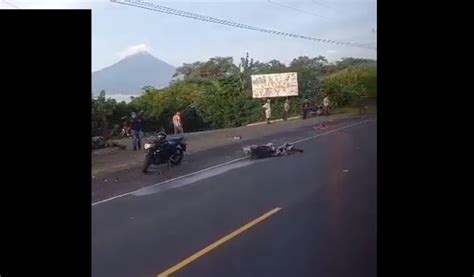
137 134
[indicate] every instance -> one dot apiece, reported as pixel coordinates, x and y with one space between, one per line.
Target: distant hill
130 75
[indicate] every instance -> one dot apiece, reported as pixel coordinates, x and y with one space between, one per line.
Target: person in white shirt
326 104
286 108
268 110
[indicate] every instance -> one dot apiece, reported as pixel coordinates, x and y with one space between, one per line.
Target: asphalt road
127 180
326 225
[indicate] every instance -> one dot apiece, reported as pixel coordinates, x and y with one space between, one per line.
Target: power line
163 9
295 9
361 37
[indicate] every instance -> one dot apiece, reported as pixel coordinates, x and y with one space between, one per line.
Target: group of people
134 128
268 110
320 109
286 108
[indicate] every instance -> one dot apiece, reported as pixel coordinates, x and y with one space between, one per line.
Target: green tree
346 87
102 110
120 113
310 72
215 68
218 94
354 62
370 80
158 106
305 63
224 105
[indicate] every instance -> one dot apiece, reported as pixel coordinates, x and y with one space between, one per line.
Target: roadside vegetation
218 94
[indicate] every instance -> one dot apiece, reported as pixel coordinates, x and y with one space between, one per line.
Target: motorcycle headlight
147 146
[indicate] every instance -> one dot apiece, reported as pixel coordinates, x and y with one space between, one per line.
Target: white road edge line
170 180
222 164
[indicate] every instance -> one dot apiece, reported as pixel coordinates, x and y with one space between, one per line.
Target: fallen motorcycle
161 150
269 150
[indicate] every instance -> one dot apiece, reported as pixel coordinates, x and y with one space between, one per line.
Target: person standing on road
305 108
286 108
326 103
178 126
362 103
137 134
268 110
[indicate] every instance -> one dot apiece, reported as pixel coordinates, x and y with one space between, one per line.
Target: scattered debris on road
320 126
345 171
237 137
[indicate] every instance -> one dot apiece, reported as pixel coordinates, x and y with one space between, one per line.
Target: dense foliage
217 93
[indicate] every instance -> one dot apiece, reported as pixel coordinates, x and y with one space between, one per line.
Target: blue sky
118 30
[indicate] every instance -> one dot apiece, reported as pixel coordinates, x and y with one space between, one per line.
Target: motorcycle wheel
146 164
177 157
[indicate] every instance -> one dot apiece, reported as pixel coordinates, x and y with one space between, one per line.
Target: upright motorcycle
161 150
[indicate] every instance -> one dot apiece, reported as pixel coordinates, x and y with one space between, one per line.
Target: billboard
274 85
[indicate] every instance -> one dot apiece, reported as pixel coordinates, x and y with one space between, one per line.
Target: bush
348 86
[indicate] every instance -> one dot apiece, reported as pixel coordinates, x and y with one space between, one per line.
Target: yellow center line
215 244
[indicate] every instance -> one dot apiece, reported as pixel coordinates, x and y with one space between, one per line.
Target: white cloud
134 49
331 51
